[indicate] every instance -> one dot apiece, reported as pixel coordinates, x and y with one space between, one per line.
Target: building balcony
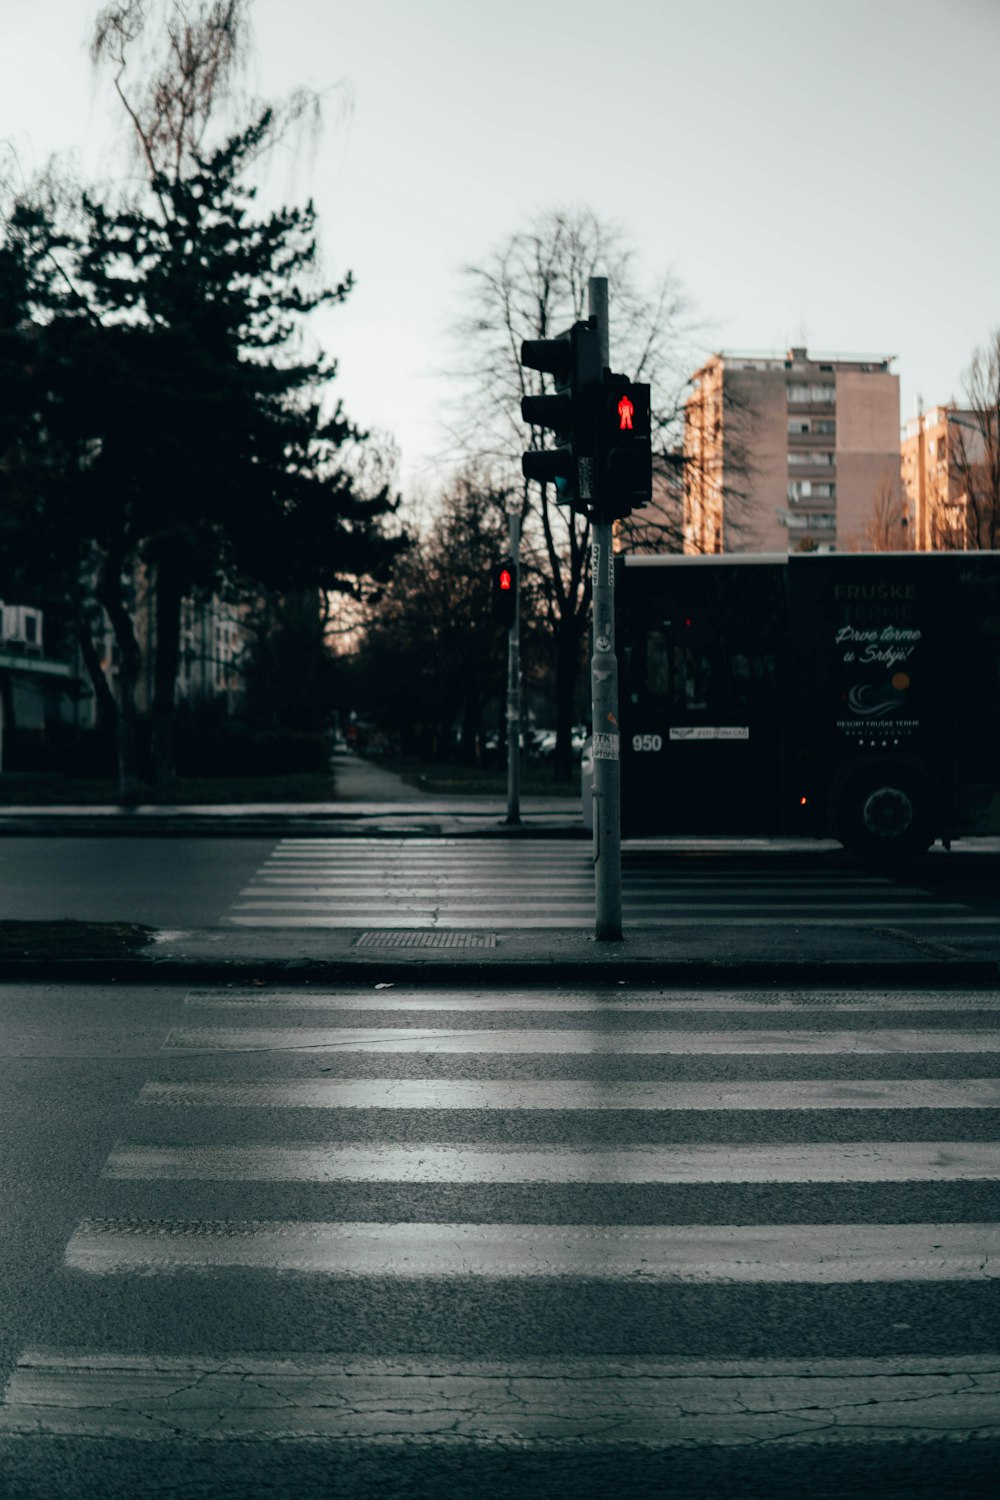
807 520
813 406
813 456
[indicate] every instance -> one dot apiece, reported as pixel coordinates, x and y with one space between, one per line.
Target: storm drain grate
427 940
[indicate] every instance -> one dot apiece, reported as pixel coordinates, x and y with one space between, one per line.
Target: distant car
532 739
547 743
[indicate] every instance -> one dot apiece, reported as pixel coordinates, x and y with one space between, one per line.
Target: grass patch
536 780
71 940
19 789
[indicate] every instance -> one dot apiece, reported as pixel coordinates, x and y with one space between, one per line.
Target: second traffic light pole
604 694
514 676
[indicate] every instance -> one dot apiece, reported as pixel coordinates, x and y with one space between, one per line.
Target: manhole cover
427 940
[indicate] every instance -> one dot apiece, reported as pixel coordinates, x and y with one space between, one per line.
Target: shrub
234 750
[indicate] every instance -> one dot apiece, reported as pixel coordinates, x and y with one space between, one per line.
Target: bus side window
727 685
696 678
765 675
657 676
739 677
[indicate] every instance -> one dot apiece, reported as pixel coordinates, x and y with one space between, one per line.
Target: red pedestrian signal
626 479
505 591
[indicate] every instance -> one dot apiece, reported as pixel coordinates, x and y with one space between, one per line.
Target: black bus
852 696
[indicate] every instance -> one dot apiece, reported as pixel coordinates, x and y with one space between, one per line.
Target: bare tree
974 449
187 56
887 526
432 655
534 286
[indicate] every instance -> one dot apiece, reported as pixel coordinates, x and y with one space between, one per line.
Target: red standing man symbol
625 410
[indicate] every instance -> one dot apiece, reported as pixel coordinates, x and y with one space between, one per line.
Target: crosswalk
448 884
445 1220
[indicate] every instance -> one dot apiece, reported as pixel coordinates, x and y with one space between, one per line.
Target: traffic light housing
574 362
625 477
505 591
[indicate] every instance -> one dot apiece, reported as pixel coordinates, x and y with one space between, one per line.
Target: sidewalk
737 955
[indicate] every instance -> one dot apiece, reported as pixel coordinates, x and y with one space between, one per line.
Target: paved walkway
358 780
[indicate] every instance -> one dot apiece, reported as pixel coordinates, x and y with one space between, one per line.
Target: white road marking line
822 1254
507 916
615 1001
376 916
562 1096
541 1404
602 1043
371 885
855 1162
343 873
256 898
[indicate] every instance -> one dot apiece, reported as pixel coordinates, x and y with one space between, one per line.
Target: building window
817 460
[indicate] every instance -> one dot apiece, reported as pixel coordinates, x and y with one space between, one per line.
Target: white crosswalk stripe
871 1161
492 1094
830 1253
520 1097
491 884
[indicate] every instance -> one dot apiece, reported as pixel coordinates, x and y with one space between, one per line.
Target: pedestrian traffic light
505 591
625 480
574 362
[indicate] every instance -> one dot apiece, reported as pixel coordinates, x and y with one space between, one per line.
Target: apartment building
35 689
788 452
214 640
941 449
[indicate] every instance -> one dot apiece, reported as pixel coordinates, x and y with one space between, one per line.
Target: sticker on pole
606 746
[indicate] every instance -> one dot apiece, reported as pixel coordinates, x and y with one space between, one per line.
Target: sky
812 173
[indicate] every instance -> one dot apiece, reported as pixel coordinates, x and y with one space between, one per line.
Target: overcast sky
813 173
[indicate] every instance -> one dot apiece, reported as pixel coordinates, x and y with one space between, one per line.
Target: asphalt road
162 882
273 1242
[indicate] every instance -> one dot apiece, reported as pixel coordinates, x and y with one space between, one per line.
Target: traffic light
574 362
625 479
505 591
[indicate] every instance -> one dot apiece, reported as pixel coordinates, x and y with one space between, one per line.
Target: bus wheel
883 816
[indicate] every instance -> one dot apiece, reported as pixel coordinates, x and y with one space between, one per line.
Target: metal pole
514 679
604 696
